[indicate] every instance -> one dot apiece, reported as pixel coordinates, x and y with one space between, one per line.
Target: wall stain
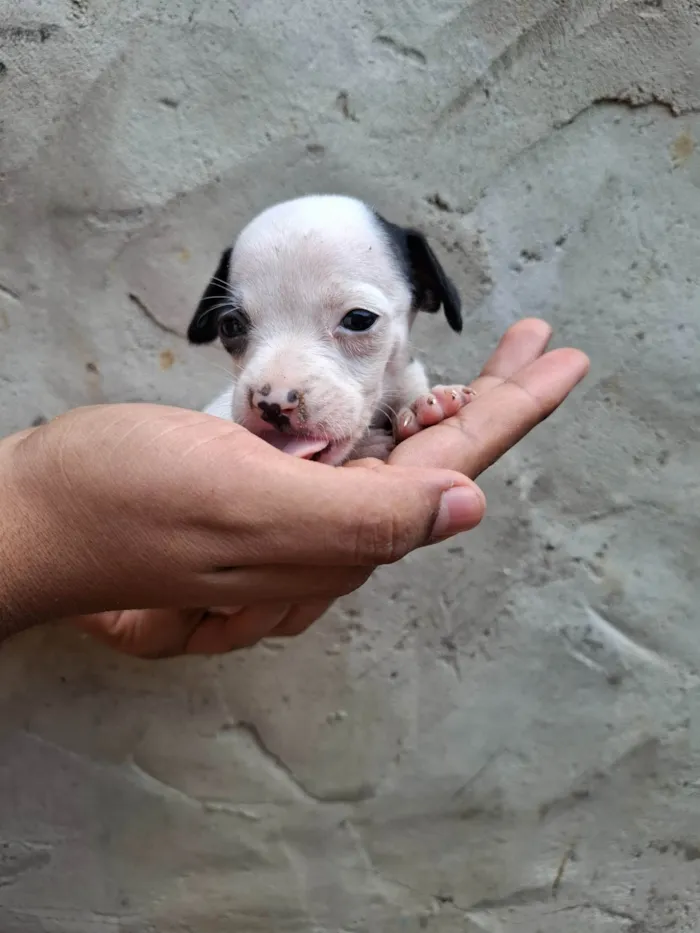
682 148
166 359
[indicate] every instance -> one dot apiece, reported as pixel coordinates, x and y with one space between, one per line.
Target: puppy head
314 304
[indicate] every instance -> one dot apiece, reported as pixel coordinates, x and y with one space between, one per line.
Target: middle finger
495 421
522 344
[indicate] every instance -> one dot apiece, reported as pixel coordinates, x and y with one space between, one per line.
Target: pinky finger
222 631
299 618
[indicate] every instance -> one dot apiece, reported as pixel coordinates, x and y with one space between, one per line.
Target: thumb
369 515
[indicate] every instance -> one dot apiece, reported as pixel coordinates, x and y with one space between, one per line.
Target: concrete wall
518 754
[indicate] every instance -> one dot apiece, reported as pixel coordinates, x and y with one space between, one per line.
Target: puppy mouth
307 447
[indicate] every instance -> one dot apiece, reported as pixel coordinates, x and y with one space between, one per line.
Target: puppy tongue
302 447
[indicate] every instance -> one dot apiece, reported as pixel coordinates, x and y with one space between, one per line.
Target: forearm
18 603
29 551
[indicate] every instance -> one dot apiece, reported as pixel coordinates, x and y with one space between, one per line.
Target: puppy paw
440 403
377 443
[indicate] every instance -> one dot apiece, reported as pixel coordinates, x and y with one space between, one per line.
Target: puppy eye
358 320
233 326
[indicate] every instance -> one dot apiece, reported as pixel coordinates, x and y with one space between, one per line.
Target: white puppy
314 303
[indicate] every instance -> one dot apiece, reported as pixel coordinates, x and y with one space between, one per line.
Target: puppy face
314 304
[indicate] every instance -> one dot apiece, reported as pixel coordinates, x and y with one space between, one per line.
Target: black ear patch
432 287
217 297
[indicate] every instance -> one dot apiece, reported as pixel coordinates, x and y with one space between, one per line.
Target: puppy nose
280 398
274 403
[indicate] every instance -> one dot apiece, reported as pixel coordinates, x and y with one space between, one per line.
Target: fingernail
461 508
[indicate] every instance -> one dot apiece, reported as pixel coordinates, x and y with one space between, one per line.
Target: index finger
496 420
522 344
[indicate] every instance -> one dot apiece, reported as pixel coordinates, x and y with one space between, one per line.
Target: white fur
297 269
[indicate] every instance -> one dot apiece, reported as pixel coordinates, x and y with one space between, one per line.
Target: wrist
29 548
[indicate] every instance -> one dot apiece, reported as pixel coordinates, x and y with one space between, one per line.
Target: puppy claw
441 403
407 425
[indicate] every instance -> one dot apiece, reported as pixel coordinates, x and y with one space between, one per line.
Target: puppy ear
203 326
432 286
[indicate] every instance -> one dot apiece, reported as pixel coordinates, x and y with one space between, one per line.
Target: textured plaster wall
501 734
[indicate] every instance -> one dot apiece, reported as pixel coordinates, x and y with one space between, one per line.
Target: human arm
519 386
116 506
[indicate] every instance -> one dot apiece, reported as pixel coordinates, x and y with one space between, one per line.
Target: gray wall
500 735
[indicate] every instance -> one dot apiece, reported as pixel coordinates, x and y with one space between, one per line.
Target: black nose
273 414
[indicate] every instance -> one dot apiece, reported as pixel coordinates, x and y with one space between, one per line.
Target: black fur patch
203 326
431 286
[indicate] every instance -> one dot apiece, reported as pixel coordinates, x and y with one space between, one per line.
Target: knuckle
353 580
291 629
240 643
382 539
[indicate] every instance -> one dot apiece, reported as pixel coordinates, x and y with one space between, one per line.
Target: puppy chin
337 452
309 444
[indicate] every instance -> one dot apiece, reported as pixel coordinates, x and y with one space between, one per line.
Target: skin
165 509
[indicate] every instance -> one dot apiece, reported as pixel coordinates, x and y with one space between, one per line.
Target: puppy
314 304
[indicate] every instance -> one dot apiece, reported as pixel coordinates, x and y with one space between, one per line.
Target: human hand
116 506
519 387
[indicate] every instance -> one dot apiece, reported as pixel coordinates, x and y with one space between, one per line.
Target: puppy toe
406 424
429 409
442 402
452 398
